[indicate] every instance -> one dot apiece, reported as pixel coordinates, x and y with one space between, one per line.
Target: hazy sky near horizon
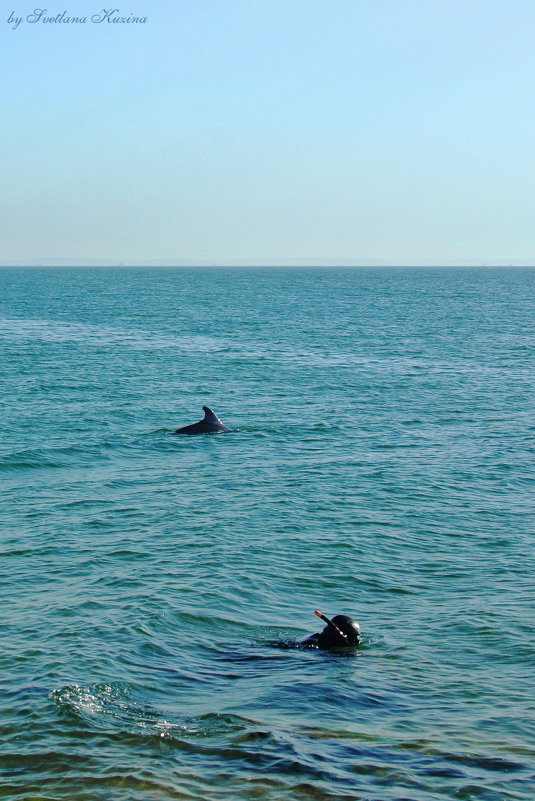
221 130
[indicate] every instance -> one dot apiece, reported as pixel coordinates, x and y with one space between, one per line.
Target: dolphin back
210 424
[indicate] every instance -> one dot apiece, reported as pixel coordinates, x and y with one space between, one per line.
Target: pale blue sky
251 130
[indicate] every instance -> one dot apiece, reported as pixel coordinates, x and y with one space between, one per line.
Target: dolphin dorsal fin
209 416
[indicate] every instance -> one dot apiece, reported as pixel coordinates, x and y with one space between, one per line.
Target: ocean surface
382 464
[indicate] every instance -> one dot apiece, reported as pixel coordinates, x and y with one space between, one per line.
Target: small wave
66 455
36 458
107 705
52 457
112 705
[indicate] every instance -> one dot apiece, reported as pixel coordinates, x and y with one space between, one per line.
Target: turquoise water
383 467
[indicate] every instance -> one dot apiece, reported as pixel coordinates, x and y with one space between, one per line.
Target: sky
268 131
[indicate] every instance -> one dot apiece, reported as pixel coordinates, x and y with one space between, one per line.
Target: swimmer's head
340 632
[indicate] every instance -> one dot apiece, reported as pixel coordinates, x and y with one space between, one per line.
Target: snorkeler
340 632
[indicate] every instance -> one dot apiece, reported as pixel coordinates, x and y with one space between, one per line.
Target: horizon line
253 263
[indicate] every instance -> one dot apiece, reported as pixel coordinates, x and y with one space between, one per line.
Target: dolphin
210 424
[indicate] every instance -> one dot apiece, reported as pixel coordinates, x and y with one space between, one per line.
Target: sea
154 588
